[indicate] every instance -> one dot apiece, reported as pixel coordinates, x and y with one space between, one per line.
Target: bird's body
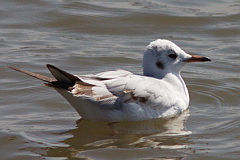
123 96
127 98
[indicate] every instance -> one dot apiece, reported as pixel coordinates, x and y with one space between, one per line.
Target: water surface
89 37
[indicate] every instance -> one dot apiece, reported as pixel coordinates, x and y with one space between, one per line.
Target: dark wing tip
51 66
206 59
61 75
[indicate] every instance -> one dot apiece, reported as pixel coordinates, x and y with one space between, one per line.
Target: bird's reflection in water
160 134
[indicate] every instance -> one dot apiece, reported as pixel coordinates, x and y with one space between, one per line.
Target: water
88 37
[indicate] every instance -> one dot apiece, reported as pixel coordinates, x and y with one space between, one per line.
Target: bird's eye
173 55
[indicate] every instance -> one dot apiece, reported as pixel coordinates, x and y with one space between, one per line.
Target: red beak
197 59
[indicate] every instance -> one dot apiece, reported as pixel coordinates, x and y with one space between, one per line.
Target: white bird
123 96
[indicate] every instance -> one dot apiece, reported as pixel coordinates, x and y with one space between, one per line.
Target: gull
120 95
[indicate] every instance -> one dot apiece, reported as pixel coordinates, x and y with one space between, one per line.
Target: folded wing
142 90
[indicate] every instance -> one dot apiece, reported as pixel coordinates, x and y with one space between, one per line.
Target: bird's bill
195 58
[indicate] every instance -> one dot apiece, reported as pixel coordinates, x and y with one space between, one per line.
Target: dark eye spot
173 55
160 65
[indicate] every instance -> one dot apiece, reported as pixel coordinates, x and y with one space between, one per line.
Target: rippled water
88 37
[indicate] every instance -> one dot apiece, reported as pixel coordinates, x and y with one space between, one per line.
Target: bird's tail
62 79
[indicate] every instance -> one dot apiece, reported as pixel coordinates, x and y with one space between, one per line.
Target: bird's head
163 56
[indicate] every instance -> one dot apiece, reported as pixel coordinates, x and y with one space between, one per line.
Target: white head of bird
163 56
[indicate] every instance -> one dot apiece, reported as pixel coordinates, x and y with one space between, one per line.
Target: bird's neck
178 84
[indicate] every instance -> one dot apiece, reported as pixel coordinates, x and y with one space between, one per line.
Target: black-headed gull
123 96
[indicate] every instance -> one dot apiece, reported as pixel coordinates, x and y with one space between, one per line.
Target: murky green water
88 37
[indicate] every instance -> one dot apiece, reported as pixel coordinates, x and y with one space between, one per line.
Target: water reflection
99 139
